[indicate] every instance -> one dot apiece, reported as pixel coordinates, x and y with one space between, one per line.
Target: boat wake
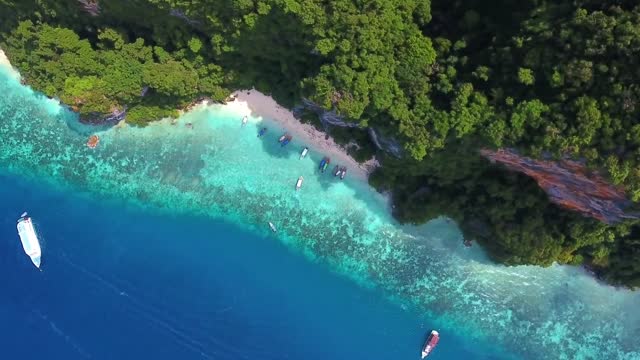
56 329
147 308
145 311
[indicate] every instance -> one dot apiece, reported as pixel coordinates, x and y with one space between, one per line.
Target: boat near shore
299 183
286 140
29 239
430 344
304 152
340 171
324 164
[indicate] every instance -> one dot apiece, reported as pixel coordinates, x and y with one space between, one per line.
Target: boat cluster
285 139
338 170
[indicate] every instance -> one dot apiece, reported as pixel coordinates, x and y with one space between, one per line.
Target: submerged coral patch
220 169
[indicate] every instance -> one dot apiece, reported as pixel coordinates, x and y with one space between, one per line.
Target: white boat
299 183
273 227
29 239
304 152
244 120
343 173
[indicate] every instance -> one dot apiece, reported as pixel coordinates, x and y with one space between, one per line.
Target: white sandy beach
261 105
4 62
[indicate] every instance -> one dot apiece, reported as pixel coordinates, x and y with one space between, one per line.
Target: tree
525 76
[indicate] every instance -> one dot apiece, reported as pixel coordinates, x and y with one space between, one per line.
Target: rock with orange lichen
93 141
570 185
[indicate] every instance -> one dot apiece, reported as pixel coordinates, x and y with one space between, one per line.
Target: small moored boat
272 227
299 183
304 152
284 136
324 164
262 132
343 173
244 120
286 140
430 344
29 239
336 170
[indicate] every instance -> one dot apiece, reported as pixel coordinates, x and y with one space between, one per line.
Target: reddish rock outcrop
569 184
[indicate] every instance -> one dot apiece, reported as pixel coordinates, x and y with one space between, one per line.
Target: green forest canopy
443 79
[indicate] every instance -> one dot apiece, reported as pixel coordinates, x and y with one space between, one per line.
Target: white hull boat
29 239
299 183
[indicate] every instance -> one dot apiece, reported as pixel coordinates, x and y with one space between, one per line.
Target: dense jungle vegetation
441 78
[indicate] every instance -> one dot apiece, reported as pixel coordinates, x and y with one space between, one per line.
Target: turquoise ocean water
157 244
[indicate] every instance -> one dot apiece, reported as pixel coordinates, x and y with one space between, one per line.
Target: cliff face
331 118
90 6
569 185
113 117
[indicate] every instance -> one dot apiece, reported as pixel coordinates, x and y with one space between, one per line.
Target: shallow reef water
220 169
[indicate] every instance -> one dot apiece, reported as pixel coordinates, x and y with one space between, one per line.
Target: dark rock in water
569 185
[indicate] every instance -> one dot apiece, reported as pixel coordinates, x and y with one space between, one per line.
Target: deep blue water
128 283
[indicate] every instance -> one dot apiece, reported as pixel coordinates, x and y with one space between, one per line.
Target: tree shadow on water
270 144
291 152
